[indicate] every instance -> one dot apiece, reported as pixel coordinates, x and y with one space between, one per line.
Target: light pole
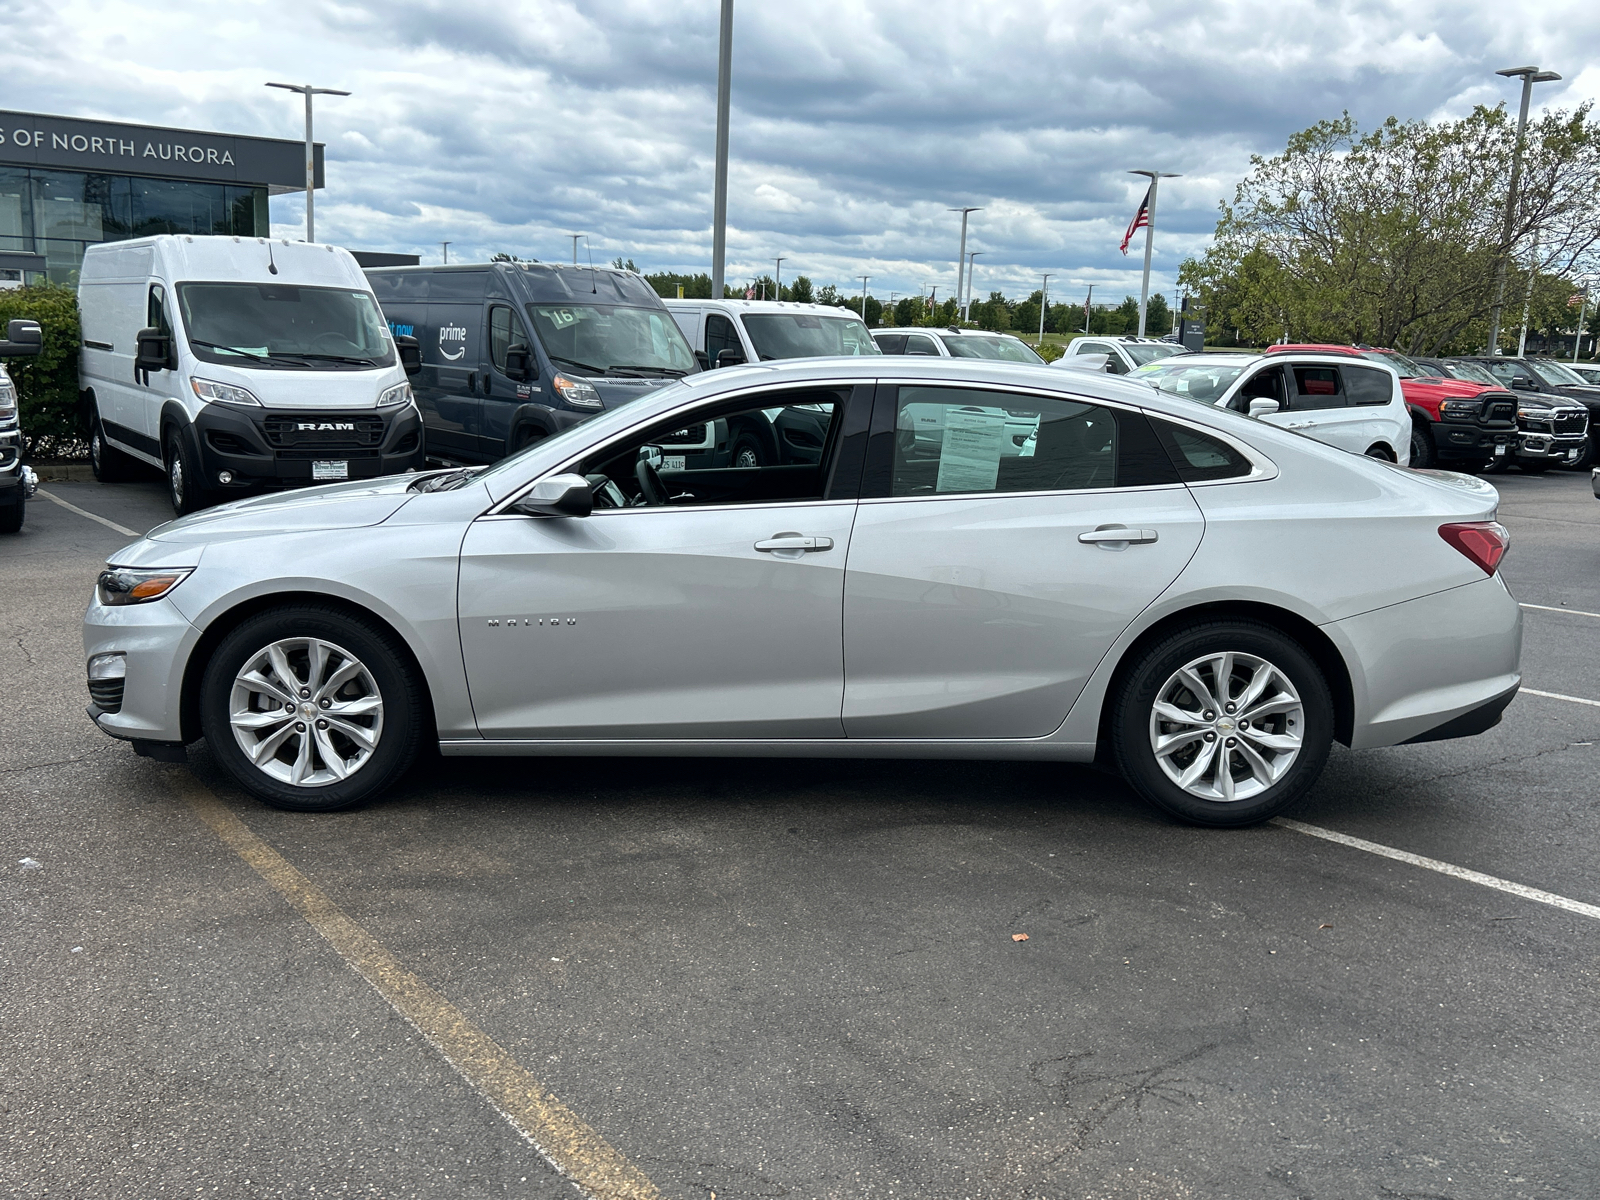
777 278
1044 296
1583 311
308 91
864 279
445 248
961 256
574 237
966 311
719 203
1529 76
1155 177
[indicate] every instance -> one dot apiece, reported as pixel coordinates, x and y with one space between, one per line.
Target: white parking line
1444 868
54 499
1559 696
1576 612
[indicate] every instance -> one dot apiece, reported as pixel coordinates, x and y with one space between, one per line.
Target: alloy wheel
306 712
1227 726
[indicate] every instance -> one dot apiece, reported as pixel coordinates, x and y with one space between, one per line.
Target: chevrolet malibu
1201 601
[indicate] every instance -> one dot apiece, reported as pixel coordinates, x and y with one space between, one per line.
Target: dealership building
67 183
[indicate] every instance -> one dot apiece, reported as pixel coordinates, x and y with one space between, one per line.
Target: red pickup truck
1454 422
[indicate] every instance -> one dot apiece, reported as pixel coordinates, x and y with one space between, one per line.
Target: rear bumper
255 455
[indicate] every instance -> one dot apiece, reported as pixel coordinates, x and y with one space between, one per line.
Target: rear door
447 388
1318 407
984 586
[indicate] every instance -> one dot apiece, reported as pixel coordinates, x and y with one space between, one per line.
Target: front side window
805 335
720 336
155 315
284 326
1000 349
1315 388
1505 372
612 339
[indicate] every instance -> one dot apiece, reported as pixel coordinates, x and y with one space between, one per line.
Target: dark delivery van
513 352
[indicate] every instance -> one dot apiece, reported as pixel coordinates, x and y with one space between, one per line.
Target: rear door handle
1118 533
795 542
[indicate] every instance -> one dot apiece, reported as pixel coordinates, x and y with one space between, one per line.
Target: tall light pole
574 237
719 203
966 311
444 248
864 279
1529 76
1044 296
1155 177
777 278
961 257
1583 311
308 91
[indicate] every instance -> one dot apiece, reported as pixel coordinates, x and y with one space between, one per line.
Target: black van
513 352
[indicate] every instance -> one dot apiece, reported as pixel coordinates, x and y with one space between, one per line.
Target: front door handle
1114 535
795 543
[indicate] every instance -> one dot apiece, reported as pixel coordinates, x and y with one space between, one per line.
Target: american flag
1140 220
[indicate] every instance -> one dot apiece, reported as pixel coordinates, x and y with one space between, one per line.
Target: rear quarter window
1199 457
1364 385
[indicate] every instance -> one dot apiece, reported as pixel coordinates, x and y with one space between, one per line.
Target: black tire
109 464
1423 455
403 719
1381 452
185 486
13 514
1154 672
747 452
527 436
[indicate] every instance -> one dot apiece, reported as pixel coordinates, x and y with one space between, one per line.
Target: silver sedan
1075 568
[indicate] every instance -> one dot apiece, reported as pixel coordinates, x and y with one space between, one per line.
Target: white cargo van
237 364
724 333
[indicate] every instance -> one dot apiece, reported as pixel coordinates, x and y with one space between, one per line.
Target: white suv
955 342
1123 354
1355 404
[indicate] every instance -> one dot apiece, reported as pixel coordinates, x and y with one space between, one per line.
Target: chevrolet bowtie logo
320 426
512 622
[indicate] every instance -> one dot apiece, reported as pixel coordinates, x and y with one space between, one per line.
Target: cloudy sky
506 126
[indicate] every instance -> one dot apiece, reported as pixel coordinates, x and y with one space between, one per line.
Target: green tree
800 291
993 313
695 287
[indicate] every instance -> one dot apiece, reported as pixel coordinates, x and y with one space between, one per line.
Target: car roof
944 329
766 306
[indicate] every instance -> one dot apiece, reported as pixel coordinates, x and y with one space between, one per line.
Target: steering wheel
655 492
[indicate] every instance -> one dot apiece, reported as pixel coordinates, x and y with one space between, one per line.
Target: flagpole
1155 178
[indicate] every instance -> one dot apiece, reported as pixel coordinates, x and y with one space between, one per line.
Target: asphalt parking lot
740 979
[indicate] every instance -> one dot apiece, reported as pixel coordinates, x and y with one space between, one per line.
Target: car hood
1434 387
615 393
334 506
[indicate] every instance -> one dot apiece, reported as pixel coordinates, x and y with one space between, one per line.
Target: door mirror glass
22 337
729 358
154 350
653 456
1260 407
518 363
1523 384
410 352
558 496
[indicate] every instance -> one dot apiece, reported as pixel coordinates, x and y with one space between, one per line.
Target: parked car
1357 406
1588 372
17 481
1550 432
1203 600
238 364
1548 379
514 352
1455 423
1123 354
726 333
955 342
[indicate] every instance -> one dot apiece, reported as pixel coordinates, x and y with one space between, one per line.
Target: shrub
47 385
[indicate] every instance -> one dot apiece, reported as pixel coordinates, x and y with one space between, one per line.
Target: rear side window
1199 457
1366 386
1314 388
891 343
921 343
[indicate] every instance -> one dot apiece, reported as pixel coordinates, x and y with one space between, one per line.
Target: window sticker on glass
969 455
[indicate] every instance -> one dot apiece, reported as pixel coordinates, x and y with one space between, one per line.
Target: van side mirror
700 357
22 337
410 352
558 496
519 363
153 352
730 357
1261 406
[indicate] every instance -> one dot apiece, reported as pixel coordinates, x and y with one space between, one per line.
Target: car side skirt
997 749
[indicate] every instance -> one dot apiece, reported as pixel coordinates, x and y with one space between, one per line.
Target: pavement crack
60 762
21 645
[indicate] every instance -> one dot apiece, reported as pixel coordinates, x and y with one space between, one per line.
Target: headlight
1461 410
223 393
124 585
400 393
576 392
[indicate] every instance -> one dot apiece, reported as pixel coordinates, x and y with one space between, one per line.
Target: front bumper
155 640
277 449
1459 441
1545 447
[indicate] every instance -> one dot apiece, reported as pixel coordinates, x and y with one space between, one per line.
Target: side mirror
22 337
1260 406
410 352
154 351
1523 384
730 357
653 455
558 496
700 357
519 363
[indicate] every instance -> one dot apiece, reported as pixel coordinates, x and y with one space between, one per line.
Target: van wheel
1422 455
747 452
184 487
109 464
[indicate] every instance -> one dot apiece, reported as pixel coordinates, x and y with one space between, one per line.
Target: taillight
1484 542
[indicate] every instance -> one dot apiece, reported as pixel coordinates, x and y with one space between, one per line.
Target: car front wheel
1224 724
312 709
1422 455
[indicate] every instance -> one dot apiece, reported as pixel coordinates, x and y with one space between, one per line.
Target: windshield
1150 352
1004 349
1204 382
1402 365
803 335
1556 375
1472 372
612 339
284 326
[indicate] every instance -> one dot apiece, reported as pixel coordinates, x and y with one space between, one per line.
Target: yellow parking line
554 1130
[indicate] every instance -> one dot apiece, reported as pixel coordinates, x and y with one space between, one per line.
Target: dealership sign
29 139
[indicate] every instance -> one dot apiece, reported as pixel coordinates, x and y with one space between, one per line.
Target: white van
724 333
237 364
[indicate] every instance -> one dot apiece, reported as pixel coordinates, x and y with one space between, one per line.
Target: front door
986 577
503 395
696 601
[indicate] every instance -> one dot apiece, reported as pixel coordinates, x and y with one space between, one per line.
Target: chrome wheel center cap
308 709
1224 725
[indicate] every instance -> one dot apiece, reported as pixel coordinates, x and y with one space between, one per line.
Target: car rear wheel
312 709
1422 455
1224 724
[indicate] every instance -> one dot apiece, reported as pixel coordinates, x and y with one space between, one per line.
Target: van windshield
803 335
284 326
1005 349
612 339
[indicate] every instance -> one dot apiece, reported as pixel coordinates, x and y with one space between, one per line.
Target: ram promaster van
237 364
513 352
725 333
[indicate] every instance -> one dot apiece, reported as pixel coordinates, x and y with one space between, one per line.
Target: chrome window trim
686 508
